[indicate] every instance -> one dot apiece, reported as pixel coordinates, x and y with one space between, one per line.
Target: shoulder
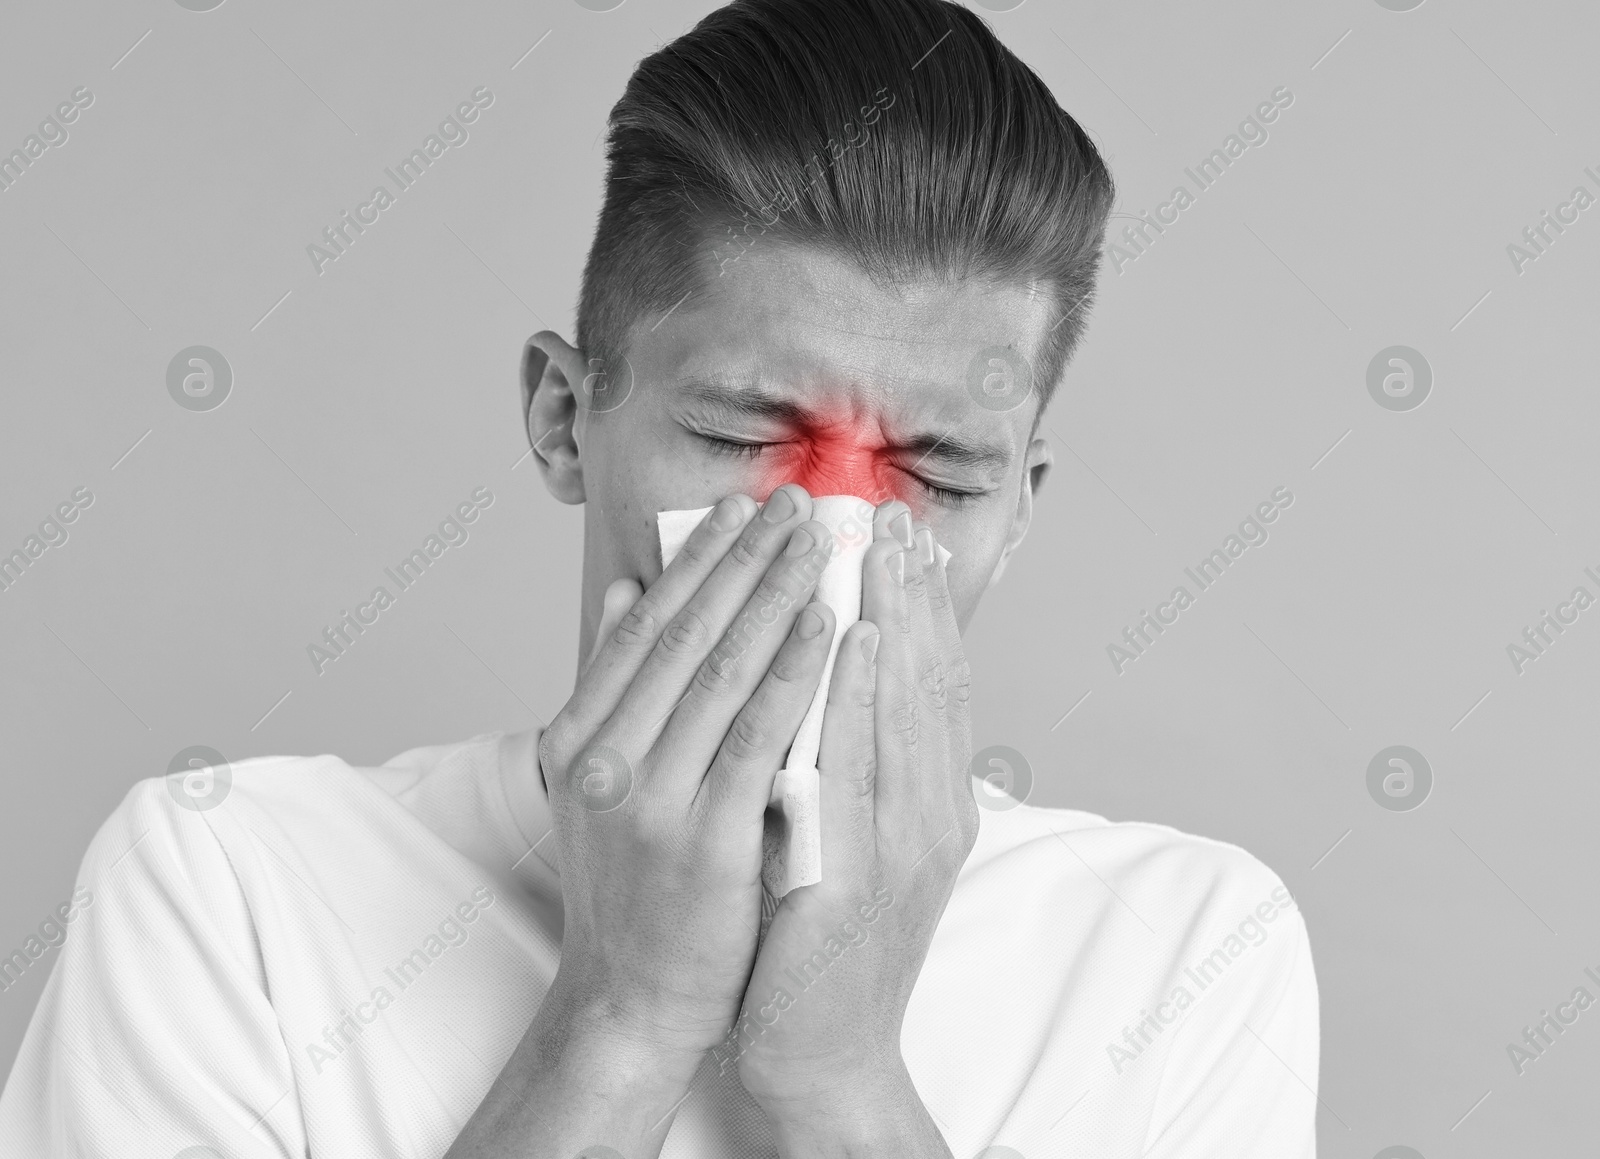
1127 910
323 791
192 831
180 844
203 804
1105 945
1172 873
1121 922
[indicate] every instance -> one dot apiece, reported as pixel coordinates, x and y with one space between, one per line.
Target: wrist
628 1052
866 1115
582 1075
828 1089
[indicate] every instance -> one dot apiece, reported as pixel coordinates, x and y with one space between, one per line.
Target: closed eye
734 447
749 451
945 495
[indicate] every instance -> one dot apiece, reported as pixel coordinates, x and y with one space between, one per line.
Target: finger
936 584
729 675
890 574
893 520
739 782
684 639
621 651
619 597
945 632
847 760
953 673
926 666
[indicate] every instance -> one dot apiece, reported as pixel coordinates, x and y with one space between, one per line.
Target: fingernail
800 542
869 645
779 507
925 547
900 528
728 515
810 624
897 567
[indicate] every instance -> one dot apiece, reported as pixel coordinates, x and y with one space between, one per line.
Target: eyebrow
749 401
753 401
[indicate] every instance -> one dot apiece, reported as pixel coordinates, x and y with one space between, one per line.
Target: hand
818 1040
659 770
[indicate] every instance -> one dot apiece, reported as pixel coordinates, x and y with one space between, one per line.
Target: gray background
1224 362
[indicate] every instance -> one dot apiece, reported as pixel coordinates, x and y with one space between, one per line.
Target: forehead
801 320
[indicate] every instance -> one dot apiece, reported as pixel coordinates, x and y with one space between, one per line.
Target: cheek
976 538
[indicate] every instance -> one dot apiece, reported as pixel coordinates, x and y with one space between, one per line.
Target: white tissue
792 842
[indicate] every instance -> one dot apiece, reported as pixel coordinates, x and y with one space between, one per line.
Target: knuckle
787 668
685 633
740 635
693 553
860 777
931 678
959 682
746 739
715 676
552 747
637 626
772 596
744 553
906 721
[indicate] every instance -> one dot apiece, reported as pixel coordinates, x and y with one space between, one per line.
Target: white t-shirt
336 962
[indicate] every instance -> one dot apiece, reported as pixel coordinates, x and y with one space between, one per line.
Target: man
846 249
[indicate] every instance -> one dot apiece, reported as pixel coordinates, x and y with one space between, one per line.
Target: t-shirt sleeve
1241 1079
155 1032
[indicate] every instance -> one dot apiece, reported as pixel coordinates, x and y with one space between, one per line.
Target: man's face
794 366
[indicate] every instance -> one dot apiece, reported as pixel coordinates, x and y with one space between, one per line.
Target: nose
840 459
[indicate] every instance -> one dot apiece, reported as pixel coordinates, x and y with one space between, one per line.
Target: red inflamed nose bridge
834 458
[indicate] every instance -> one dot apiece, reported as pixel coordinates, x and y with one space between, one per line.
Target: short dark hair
760 121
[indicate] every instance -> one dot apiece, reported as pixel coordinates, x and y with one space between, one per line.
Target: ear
549 368
1036 469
